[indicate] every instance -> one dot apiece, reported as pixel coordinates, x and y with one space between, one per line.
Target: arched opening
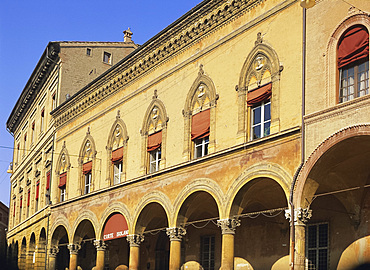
60 240
31 256
152 222
263 236
85 236
336 189
23 255
202 243
114 235
41 249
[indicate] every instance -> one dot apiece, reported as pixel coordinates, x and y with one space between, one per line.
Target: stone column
73 251
175 235
29 259
301 217
228 227
53 252
135 240
100 252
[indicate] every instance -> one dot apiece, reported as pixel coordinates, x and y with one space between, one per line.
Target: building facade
230 140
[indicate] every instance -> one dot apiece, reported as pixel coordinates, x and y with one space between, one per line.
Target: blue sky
26 27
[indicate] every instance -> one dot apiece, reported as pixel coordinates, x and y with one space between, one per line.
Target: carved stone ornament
228 226
100 245
135 239
53 251
201 70
259 39
73 248
155 96
301 215
175 233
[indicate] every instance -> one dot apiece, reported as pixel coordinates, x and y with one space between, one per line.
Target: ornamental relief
155 120
259 73
201 99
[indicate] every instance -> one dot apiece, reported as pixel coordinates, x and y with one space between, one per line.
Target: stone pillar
135 240
53 252
40 258
100 252
228 227
175 235
29 259
73 251
301 217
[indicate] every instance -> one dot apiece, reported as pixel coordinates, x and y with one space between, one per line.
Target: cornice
195 25
43 68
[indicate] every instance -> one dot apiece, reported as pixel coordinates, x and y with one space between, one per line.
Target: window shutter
259 94
353 45
117 155
14 210
48 180
200 125
154 141
28 198
37 190
20 204
62 180
87 167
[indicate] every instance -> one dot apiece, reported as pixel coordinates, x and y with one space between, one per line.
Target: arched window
258 93
86 160
353 63
117 149
154 133
62 173
199 114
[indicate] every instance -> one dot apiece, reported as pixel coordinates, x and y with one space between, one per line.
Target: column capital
73 248
175 233
135 239
100 245
228 225
301 215
53 251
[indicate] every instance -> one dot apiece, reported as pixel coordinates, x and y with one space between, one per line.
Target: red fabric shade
87 167
62 180
115 227
117 155
154 141
14 210
20 204
48 180
200 125
28 198
37 190
353 45
259 94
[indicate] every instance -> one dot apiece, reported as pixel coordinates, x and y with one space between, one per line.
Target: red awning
87 167
200 125
154 141
28 197
62 180
37 190
48 180
117 155
14 210
115 227
353 45
20 203
259 94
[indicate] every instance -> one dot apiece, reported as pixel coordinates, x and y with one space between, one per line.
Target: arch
356 17
153 197
116 207
206 99
41 243
260 170
61 220
155 120
263 58
202 184
87 154
58 233
117 138
328 143
88 216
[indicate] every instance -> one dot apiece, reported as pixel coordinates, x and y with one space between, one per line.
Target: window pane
256 115
267 112
266 128
256 132
312 236
311 259
323 235
323 259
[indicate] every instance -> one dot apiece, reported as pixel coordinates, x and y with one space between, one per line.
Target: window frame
262 124
87 182
109 58
203 144
207 262
117 172
317 248
154 159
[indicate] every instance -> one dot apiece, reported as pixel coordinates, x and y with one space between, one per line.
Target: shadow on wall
365 266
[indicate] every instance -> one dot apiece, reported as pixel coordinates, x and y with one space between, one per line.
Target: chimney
127 35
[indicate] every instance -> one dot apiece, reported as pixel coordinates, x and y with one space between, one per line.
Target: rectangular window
33 132
62 186
317 241
87 182
37 196
25 144
18 153
28 202
14 213
107 58
207 252
88 51
62 193
201 147
20 209
54 101
354 82
47 192
117 167
261 120
154 160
